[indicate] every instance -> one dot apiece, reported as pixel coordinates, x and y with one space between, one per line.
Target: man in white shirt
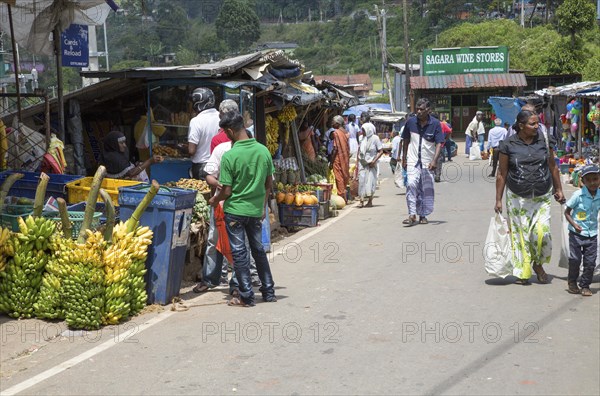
496 135
202 129
475 132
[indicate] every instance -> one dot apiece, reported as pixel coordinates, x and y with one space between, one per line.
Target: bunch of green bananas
6 247
23 273
124 268
272 126
82 283
49 304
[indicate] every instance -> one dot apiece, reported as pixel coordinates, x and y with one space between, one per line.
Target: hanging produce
287 115
272 126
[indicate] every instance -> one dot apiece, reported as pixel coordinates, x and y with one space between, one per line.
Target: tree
575 16
237 24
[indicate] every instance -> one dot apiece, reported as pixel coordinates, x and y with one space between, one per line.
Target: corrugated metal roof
462 81
205 70
568 90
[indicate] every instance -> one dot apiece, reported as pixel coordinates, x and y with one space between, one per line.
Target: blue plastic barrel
169 216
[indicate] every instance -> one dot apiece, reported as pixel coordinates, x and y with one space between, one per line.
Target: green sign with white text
446 61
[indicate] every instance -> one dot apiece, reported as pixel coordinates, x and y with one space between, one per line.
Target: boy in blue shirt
582 215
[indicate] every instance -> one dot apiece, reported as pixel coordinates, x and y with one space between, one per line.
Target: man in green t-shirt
246 178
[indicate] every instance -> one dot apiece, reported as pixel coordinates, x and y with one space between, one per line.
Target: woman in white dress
369 152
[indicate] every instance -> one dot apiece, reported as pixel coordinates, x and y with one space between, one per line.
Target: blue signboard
75 46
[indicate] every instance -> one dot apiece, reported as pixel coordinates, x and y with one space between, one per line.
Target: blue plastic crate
298 216
26 186
169 216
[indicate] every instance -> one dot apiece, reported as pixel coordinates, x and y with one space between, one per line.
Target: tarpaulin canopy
506 108
35 20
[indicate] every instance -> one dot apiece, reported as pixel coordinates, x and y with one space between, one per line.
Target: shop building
459 81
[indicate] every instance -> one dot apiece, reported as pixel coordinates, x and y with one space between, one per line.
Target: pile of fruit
191 184
272 126
166 151
298 195
201 211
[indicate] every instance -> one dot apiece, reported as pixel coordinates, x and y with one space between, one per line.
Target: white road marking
20 387
13 390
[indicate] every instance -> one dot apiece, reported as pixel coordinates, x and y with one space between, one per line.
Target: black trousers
585 248
495 158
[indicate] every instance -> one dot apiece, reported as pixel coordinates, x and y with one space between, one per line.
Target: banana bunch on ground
49 304
6 247
22 278
125 267
272 126
82 283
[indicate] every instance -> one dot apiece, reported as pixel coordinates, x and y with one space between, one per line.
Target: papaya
337 202
308 199
280 197
298 199
289 198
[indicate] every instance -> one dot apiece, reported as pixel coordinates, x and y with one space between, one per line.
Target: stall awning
569 90
466 81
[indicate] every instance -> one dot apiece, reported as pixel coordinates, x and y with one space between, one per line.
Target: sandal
586 292
236 302
200 288
573 289
410 222
524 282
542 276
423 220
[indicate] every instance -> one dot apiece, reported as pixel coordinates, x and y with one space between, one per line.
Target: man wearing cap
495 136
202 129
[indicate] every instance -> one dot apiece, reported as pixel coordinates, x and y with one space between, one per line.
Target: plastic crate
324 210
78 190
11 221
100 207
298 216
76 219
26 186
564 168
324 194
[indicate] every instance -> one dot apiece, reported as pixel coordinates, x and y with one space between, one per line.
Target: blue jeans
238 228
468 144
213 260
481 140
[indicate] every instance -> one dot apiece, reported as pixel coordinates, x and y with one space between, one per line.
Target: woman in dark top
530 175
115 157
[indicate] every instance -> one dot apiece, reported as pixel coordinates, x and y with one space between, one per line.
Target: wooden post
59 82
298 151
15 60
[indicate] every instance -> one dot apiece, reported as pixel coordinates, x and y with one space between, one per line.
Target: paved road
366 306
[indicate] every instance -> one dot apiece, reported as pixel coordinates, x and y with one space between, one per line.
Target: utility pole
523 13
381 19
406 56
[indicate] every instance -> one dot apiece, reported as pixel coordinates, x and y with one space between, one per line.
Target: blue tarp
358 109
506 108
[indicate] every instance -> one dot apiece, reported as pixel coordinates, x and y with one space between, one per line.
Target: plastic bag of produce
563 262
475 153
400 176
223 245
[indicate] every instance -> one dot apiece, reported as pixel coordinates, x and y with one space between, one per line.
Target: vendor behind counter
115 157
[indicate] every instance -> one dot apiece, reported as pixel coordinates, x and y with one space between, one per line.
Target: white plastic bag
399 175
597 270
497 250
564 239
475 152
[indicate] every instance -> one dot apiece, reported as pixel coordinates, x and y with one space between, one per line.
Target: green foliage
237 24
563 58
576 15
129 64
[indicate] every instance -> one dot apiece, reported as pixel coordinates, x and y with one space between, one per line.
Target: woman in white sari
369 152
